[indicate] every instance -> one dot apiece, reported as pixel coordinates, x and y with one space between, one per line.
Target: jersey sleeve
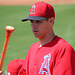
65 62
22 72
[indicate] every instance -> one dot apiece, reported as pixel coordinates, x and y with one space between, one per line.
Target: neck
46 39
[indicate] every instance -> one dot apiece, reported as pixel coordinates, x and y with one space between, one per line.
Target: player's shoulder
64 44
64 48
35 45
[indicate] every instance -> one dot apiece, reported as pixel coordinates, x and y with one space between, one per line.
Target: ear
51 20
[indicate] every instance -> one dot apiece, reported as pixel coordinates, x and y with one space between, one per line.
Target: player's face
40 28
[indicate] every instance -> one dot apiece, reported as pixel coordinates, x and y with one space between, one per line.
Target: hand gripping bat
9 30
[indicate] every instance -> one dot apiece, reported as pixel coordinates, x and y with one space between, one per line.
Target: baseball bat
9 30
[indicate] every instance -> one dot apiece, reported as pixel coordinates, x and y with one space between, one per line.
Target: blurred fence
30 2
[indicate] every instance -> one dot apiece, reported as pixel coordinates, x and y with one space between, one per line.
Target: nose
34 25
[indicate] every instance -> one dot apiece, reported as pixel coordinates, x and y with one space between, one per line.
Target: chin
37 36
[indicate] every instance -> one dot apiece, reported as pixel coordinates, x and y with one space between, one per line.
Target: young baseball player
52 55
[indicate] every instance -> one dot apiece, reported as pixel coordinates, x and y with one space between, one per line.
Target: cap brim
33 18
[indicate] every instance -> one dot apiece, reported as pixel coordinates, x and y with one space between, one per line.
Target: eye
37 21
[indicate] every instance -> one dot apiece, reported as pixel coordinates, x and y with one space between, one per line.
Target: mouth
35 31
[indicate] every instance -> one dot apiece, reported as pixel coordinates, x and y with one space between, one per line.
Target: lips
35 31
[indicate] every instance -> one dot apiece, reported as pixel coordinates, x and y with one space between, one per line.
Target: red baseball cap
14 66
40 11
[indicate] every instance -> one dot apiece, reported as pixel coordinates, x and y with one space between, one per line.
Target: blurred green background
22 38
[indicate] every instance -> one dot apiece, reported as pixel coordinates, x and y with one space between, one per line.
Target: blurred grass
22 38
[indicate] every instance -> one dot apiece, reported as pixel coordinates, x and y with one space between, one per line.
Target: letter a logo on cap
32 11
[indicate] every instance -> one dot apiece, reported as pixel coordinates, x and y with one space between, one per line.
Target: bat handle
7 38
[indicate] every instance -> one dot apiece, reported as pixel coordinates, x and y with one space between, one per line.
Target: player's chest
40 61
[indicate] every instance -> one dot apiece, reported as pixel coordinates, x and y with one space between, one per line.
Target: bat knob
9 28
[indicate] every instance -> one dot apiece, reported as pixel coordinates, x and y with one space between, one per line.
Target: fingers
1 72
